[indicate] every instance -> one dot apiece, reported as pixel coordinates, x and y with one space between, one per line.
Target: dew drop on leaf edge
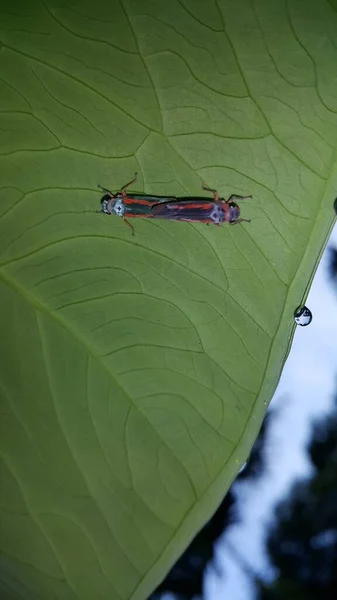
303 316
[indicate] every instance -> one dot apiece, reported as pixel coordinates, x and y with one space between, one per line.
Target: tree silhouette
303 542
333 262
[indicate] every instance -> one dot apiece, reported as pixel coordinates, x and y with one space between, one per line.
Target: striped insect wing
194 210
139 205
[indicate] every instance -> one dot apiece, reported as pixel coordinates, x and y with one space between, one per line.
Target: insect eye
105 198
234 212
105 204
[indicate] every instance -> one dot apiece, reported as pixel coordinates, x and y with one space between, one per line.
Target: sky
305 392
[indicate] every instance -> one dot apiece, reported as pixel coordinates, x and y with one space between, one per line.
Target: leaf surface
135 372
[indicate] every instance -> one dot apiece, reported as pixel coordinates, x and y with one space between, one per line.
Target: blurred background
275 534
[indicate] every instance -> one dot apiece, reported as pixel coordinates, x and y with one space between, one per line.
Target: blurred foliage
333 263
303 542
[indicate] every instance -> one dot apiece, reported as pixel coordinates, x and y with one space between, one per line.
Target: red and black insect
128 205
194 209
200 210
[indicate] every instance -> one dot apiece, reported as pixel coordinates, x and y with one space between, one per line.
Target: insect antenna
104 189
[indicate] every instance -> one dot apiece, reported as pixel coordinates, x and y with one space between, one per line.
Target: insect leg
239 221
128 184
129 224
215 193
236 197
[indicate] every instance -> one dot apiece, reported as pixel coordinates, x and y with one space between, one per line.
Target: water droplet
303 316
243 466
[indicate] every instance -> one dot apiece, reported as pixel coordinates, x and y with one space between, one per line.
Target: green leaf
135 372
